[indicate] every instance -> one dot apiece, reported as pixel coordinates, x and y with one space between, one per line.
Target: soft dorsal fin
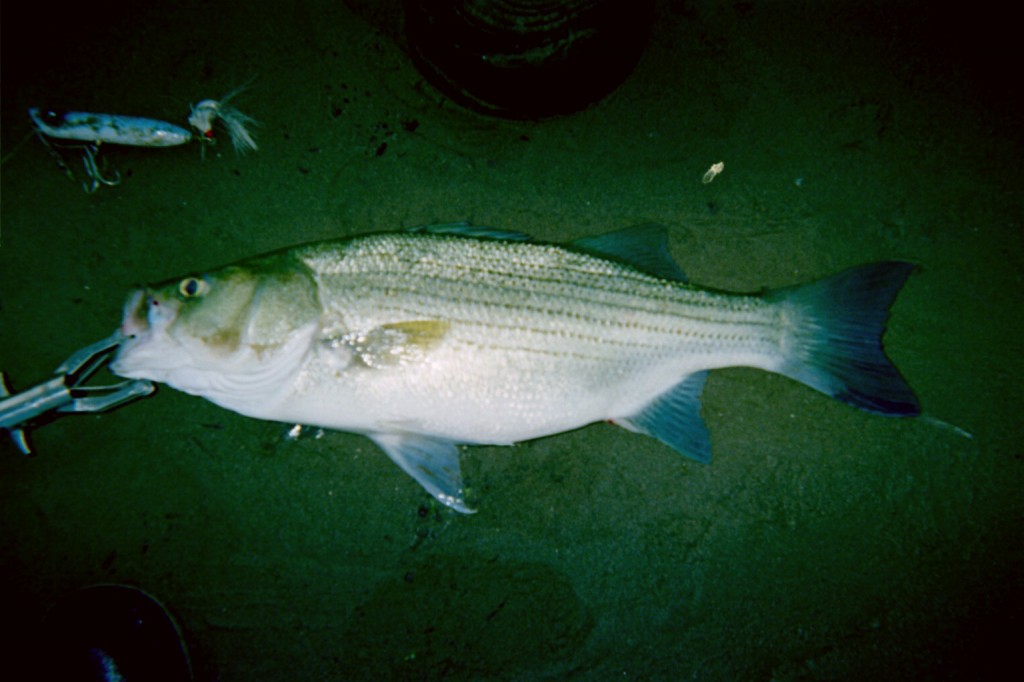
644 247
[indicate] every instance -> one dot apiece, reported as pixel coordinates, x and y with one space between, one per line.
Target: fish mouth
135 329
135 320
144 351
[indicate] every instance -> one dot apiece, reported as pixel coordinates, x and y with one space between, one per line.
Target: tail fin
834 342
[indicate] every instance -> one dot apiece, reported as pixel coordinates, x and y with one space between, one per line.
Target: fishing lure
81 126
90 130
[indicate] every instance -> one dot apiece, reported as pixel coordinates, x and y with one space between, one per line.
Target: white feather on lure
235 122
83 126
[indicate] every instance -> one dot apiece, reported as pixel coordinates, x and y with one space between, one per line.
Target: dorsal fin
465 229
644 247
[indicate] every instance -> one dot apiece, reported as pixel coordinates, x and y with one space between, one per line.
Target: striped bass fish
449 335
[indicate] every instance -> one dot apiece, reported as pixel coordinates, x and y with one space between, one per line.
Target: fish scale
552 293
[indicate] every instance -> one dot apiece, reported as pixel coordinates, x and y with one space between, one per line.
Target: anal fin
674 419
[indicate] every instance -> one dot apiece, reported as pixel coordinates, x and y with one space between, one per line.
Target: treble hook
92 169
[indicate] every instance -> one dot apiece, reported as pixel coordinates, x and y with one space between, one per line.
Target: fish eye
190 287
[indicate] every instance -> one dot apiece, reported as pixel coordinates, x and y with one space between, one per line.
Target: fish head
214 332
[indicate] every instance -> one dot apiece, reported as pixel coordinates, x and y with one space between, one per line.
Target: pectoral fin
398 343
433 462
674 419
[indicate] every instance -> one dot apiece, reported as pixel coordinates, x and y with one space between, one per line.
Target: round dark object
527 58
112 632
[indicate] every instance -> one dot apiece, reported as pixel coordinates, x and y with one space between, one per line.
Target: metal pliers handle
66 392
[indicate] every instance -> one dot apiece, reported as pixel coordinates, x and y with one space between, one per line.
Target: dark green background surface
821 543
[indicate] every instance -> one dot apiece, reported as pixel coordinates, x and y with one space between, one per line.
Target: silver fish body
427 339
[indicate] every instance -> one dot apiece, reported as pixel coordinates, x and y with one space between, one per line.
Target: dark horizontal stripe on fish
672 310
575 326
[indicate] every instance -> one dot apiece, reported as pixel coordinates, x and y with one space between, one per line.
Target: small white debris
713 172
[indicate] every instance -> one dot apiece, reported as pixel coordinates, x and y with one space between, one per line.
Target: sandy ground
821 543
